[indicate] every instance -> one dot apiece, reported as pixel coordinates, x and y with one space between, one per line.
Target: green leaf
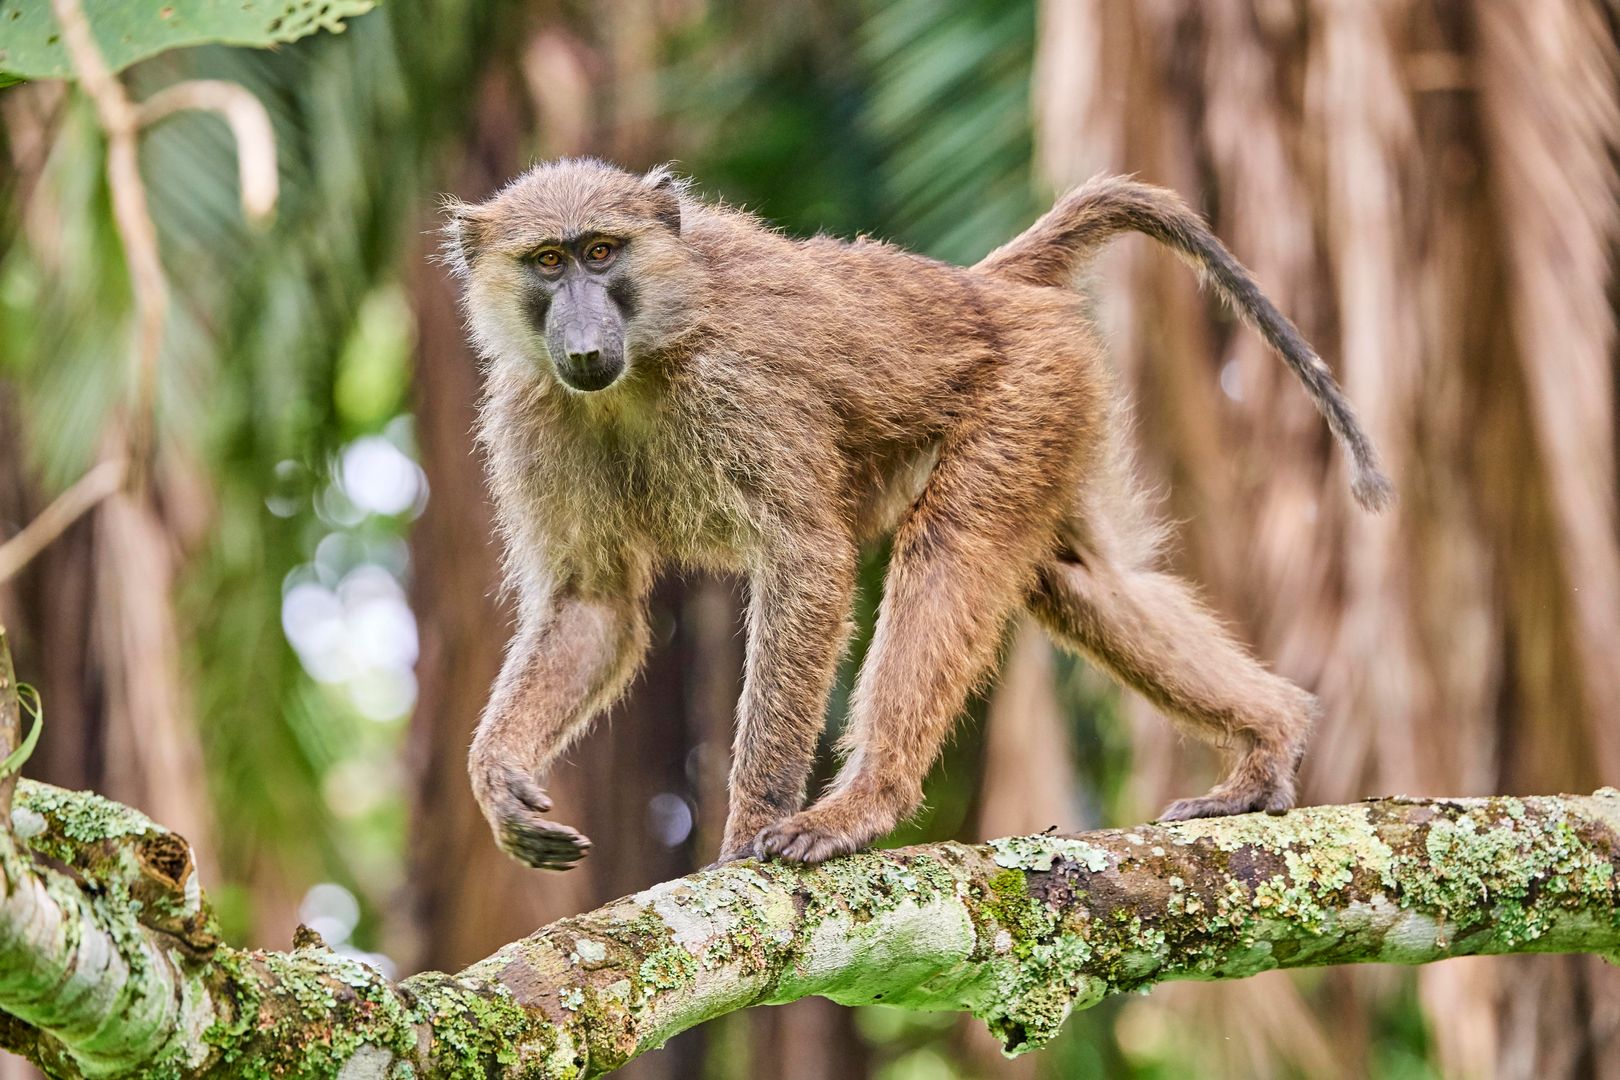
14 760
131 30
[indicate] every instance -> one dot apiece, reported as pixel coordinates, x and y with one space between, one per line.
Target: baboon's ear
666 189
462 234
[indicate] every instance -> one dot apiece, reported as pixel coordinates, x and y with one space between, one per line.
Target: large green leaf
131 30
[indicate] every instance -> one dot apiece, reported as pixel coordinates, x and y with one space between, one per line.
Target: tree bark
109 966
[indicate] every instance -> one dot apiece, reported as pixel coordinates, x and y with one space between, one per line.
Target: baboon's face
577 299
558 267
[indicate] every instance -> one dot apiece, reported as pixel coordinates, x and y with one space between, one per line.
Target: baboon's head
562 266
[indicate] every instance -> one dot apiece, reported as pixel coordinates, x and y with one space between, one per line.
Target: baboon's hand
514 803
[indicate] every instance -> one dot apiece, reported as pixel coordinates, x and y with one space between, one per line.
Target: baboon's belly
893 483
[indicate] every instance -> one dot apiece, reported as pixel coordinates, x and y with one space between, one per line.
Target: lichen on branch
1019 931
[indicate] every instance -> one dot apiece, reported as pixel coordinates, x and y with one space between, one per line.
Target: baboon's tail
1053 249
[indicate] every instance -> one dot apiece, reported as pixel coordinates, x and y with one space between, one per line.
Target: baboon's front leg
570 658
798 624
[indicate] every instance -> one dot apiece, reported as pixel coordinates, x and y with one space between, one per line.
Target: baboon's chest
677 506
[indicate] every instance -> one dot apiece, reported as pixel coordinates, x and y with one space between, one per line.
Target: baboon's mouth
598 375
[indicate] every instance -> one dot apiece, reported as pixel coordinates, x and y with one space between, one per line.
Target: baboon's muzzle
585 335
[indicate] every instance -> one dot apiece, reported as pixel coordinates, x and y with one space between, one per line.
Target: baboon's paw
545 845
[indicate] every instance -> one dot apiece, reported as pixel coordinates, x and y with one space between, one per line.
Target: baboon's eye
549 258
599 251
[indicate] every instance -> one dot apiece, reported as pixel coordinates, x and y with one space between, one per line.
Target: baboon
671 381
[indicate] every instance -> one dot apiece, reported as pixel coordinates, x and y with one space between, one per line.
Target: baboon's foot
1219 805
1232 798
834 826
747 820
1263 780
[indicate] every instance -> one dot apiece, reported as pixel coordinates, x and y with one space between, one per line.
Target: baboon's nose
582 344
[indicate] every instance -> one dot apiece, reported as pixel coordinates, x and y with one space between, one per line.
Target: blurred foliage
949 112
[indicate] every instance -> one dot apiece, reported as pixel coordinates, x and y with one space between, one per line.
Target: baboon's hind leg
1149 630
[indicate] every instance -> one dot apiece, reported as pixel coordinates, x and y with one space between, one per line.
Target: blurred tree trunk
1430 190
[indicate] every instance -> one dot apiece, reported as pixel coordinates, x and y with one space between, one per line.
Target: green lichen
1329 840
1041 852
719 919
237 997
671 967
1502 872
303 1014
83 816
1321 855
478 1028
1011 909
1038 968
866 886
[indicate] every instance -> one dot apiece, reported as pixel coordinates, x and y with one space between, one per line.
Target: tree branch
1018 931
250 125
84 495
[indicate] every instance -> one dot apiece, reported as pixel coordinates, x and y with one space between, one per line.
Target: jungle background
280 648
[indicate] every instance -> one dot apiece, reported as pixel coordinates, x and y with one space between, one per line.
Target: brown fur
786 401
